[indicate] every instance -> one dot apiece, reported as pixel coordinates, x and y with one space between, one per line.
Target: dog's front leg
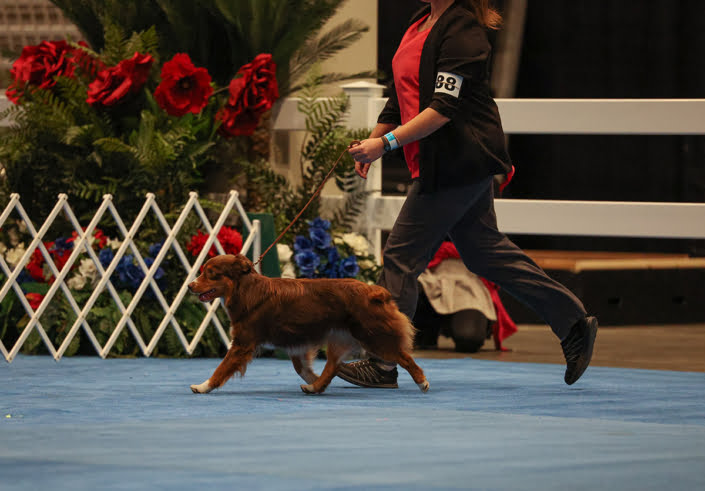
236 360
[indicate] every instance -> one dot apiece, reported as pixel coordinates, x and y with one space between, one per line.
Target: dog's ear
239 266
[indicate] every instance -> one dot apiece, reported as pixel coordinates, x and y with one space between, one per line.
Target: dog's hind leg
236 360
304 365
407 363
335 353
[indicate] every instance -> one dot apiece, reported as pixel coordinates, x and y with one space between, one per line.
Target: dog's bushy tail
381 304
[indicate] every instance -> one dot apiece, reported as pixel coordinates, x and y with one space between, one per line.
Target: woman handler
442 113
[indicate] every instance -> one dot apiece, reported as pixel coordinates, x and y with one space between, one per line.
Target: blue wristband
393 142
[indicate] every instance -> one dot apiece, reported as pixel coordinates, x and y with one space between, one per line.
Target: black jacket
454 80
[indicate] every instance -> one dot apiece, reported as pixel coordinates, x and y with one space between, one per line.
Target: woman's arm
425 123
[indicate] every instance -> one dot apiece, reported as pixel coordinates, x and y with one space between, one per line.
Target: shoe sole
354 381
584 361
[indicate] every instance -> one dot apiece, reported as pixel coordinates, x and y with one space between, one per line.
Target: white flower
88 270
366 264
13 236
284 252
288 271
338 240
14 255
77 282
114 244
358 243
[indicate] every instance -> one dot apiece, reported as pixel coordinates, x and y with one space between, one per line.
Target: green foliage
222 35
325 141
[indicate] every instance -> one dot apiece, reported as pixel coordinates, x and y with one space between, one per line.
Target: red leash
318 190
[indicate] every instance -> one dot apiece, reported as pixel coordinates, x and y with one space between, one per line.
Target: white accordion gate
82 246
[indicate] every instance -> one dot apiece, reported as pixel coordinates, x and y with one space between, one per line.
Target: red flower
34 299
98 241
60 257
184 88
114 84
251 95
35 266
229 238
39 66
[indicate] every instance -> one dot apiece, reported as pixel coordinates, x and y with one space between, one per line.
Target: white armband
449 83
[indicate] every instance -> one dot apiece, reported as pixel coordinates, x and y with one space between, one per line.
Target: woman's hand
365 153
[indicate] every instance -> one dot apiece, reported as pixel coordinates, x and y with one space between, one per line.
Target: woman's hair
486 15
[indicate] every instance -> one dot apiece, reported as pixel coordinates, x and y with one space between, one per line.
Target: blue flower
61 244
159 277
331 270
106 256
320 238
24 277
301 243
318 222
348 267
129 275
155 248
307 261
333 255
159 274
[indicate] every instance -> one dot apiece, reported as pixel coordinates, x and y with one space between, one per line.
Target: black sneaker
577 348
366 373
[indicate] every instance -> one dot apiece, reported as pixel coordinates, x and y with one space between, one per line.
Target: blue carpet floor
86 423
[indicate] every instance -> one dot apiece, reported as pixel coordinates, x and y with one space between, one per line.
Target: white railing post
364 110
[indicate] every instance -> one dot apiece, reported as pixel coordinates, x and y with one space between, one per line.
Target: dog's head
219 277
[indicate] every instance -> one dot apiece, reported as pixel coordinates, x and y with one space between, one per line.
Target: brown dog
300 315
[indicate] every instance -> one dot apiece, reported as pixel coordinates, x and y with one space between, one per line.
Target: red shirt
405 66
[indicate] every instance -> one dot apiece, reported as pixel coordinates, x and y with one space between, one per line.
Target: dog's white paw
424 386
308 389
309 376
203 388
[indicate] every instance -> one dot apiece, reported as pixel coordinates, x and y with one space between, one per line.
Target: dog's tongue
205 297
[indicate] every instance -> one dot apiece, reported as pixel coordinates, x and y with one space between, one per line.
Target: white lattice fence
82 248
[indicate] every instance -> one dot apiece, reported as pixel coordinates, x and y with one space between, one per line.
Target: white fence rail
552 116
82 246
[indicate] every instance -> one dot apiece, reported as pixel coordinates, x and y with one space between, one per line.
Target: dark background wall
597 49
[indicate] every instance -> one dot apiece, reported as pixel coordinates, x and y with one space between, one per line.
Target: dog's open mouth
207 296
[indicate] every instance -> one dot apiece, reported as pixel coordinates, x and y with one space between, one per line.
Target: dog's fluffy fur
300 315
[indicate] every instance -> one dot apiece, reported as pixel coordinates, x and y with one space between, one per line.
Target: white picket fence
545 116
82 246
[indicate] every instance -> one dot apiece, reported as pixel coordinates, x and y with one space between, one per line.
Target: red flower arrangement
251 95
229 238
115 83
184 88
34 299
39 66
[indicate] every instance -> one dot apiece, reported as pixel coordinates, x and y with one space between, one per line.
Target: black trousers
467 215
